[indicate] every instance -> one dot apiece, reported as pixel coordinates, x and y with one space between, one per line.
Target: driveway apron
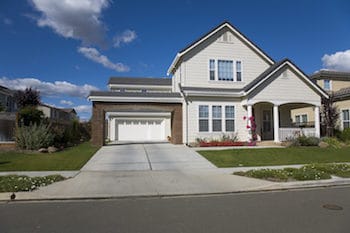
140 157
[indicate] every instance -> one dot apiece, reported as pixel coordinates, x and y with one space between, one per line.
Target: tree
28 97
30 115
330 115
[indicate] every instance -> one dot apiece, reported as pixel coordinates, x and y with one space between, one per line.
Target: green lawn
69 159
276 156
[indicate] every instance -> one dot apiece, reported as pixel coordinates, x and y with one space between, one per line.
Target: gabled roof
140 81
331 74
180 54
277 67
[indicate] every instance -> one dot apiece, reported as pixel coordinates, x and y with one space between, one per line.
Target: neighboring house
335 83
7 114
58 115
217 82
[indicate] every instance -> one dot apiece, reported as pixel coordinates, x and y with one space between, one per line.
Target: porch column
250 113
317 121
276 125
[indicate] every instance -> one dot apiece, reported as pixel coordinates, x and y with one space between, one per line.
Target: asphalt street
288 211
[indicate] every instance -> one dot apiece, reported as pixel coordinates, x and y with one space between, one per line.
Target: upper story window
238 71
225 70
327 84
212 69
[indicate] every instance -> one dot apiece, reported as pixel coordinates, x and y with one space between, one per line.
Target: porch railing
288 133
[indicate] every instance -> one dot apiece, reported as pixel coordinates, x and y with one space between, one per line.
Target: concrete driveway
141 157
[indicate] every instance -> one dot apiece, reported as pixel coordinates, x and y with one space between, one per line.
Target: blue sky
67 48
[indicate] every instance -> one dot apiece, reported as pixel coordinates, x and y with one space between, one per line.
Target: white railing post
276 123
250 113
317 121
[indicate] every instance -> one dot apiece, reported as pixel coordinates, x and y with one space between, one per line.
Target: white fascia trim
213 94
179 55
139 86
295 69
134 99
139 114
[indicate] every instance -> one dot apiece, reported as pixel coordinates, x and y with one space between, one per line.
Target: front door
267 130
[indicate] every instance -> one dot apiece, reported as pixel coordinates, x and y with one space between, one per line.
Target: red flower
251 118
248 127
244 118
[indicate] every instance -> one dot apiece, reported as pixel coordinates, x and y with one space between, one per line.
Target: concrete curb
335 182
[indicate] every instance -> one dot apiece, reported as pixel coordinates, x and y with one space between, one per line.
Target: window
238 71
229 118
225 70
203 118
327 84
297 119
216 114
212 69
304 118
346 119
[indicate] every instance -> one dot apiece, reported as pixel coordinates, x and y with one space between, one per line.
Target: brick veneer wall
99 110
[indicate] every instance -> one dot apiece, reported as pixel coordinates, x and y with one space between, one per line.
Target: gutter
186 101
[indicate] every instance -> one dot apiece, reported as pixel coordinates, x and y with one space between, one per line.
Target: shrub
345 135
30 115
304 141
332 142
34 137
228 138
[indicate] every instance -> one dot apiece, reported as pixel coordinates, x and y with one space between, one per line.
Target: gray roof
331 74
140 81
135 94
343 93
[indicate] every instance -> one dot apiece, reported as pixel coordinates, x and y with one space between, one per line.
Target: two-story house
216 85
8 110
335 83
58 115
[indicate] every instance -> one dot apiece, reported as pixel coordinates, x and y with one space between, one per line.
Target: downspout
186 101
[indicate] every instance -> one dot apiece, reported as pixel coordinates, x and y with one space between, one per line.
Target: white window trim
330 85
234 70
234 118
342 117
223 118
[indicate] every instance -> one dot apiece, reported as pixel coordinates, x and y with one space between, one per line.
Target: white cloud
78 19
94 55
126 37
66 102
338 61
49 89
83 108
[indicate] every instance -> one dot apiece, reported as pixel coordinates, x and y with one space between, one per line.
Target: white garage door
140 130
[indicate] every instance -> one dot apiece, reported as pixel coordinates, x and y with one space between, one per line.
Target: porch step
268 143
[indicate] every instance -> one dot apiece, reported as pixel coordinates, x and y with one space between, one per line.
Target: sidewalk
92 185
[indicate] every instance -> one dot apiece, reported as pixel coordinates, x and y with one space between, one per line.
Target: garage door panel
140 130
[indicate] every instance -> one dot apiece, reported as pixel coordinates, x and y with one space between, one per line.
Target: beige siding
196 62
45 110
342 105
336 85
193 125
309 111
290 89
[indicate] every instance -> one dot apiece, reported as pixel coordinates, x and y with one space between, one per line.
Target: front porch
278 123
